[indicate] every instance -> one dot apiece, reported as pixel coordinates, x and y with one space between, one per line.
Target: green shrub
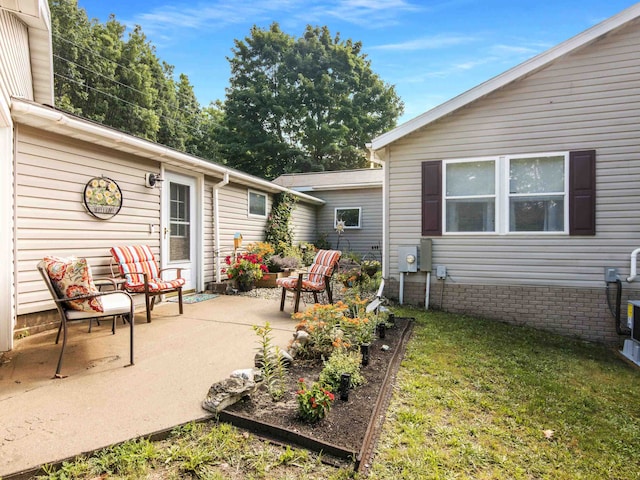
341 361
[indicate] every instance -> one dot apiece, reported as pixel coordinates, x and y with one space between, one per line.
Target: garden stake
345 384
364 349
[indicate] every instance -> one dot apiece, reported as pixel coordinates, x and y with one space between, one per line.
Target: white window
350 216
510 194
257 204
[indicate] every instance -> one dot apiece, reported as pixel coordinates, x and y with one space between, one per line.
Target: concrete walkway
177 358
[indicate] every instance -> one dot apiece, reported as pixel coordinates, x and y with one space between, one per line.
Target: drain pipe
216 222
427 290
633 273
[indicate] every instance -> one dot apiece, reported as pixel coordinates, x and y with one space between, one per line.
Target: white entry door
180 231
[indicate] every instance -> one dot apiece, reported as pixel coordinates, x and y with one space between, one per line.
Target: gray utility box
408 258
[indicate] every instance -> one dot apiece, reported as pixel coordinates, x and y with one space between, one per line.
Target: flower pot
245 286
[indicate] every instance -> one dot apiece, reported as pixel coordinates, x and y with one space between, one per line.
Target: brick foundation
33 323
574 312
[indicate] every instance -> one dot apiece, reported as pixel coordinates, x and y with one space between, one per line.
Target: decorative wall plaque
102 198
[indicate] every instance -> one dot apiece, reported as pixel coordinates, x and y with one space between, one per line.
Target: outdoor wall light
152 180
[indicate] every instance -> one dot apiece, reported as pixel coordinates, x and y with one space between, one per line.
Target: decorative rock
227 392
251 374
384 348
287 359
301 337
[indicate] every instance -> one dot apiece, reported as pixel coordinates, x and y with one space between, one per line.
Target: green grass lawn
485 400
475 399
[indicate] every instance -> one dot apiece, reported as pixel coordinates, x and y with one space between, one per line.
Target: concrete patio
177 358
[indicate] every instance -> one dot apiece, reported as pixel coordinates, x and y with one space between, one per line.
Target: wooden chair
78 291
139 268
316 280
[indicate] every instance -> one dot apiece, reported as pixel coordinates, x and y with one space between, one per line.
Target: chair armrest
177 269
91 295
102 281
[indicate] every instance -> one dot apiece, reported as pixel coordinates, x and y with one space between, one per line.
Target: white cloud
221 13
427 43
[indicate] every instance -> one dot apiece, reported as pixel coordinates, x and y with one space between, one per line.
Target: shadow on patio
177 358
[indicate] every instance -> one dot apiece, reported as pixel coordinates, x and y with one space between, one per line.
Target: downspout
216 223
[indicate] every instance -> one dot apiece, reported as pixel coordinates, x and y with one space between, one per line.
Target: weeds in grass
201 451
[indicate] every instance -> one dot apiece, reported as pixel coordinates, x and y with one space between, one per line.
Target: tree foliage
304 104
122 83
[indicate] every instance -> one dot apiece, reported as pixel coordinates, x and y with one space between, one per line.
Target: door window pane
179 222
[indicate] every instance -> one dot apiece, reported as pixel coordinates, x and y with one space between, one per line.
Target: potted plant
244 269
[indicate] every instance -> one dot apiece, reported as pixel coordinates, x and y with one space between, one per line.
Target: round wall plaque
102 198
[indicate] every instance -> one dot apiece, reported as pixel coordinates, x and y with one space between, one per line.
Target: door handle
165 232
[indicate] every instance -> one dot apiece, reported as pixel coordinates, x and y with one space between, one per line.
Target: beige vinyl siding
234 217
303 223
51 174
587 100
360 240
15 67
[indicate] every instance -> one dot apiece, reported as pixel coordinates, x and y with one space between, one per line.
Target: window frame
346 227
565 194
266 204
502 196
445 197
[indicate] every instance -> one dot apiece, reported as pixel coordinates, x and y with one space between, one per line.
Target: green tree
122 83
303 104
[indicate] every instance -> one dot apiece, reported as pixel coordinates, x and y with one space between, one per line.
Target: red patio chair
139 268
316 280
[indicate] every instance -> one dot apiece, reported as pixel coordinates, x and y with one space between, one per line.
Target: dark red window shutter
432 198
582 192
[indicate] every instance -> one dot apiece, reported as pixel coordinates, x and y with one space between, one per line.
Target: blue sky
431 50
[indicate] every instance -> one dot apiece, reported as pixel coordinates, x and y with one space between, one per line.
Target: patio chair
316 280
139 268
76 297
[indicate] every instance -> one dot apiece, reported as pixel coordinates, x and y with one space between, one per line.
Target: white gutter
29 113
216 224
633 272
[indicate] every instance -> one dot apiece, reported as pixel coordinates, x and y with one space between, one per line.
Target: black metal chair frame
64 318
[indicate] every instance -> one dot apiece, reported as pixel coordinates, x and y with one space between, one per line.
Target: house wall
303 223
51 173
587 100
15 66
366 240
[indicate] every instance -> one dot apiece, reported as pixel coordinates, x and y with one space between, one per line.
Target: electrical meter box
633 318
408 258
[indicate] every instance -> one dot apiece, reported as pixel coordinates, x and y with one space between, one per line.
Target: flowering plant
313 403
245 268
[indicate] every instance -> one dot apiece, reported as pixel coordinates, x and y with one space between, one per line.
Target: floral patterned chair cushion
71 277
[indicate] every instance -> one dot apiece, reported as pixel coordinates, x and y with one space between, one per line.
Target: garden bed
350 429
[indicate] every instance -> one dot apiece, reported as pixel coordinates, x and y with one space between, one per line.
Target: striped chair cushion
322 267
137 259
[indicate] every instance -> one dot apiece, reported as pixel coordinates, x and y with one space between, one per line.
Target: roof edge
508 76
29 113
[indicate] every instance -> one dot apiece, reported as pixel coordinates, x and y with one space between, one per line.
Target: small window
349 216
257 204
